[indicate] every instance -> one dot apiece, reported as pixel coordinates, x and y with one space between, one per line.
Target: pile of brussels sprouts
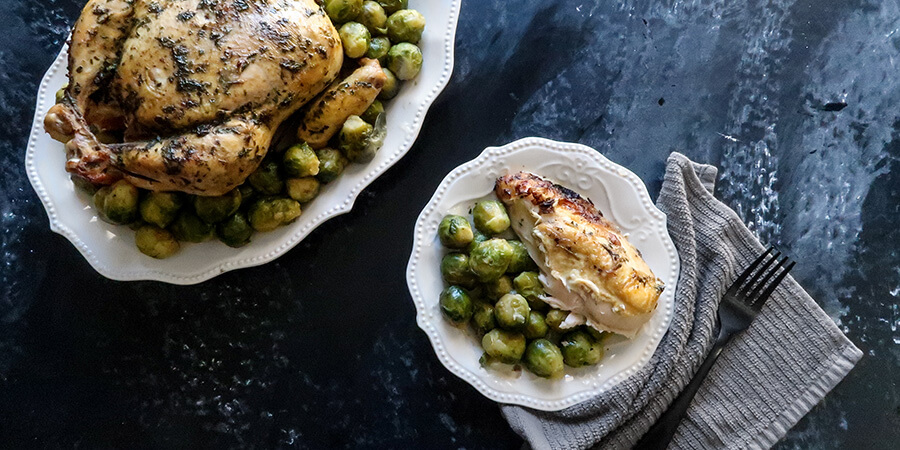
494 287
271 197
384 30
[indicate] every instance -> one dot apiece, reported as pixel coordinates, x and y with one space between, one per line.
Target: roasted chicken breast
588 266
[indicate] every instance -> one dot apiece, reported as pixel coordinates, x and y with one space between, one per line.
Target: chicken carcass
195 87
587 266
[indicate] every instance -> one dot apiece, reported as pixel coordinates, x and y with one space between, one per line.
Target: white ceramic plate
110 249
617 192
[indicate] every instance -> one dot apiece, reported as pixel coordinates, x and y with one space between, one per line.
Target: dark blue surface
320 348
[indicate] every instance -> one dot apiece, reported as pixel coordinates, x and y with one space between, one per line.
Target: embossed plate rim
201 262
456 349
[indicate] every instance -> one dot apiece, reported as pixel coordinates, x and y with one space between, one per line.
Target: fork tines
763 278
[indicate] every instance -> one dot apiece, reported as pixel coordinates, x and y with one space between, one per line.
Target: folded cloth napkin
763 383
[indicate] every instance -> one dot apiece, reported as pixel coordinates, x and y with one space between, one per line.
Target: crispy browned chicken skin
196 87
588 266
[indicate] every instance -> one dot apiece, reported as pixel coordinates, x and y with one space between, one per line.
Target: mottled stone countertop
796 101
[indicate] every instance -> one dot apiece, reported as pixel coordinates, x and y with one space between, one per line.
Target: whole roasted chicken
193 89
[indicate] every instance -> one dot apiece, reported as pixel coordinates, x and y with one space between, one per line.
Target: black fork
739 306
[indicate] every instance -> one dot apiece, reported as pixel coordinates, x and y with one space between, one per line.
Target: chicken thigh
196 88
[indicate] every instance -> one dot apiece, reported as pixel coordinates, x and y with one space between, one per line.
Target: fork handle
662 432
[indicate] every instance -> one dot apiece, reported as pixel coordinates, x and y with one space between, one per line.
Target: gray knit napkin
764 381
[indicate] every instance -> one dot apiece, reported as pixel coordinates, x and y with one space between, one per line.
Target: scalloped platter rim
110 248
618 193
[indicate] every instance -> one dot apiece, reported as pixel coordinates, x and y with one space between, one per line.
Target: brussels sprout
378 49
355 37
579 349
529 285
405 25
267 179
456 305
160 208
483 317
235 231
455 231
61 93
267 214
341 11
404 60
304 190
479 238
331 164
544 359
391 85
511 312
354 139
300 161
155 242
490 217
216 209
556 317
521 260
372 15
392 6
99 198
247 193
189 227
498 288
455 270
373 111
536 327
490 259
119 204
505 346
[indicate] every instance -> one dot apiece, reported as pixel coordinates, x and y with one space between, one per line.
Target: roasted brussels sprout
490 217
372 15
529 285
483 317
331 164
378 49
405 25
247 193
373 111
536 327
544 359
456 305
493 290
155 242
511 312
160 208
355 37
521 260
598 336
455 231
217 209
392 6
61 93
300 161
189 227
341 11
504 346
404 60
455 270
235 231
304 190
354 139
490 259
267 214
554 318
391 85
267 178
580 349
118 204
